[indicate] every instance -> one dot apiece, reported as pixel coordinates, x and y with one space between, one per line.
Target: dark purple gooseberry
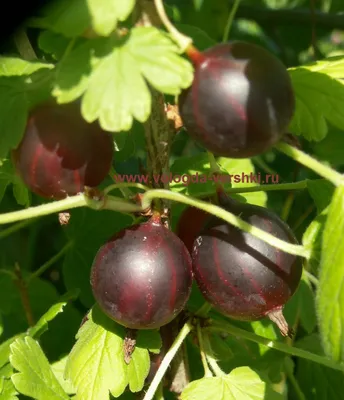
241 275
61 153
142 276
240 102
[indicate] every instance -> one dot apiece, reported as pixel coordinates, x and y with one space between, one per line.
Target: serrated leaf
97 358
42 325
35 377
159 60
97 228
105 14
111 75
13 66
241 384
58 369
319 99
117 93
321 191
330 296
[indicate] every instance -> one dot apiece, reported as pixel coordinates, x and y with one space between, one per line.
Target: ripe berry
61 153
242 276
240 102
190 224
142 276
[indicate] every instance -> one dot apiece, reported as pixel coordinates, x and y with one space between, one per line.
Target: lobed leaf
241 384
98 357
112 74
330 296
105 14
35 377
319 100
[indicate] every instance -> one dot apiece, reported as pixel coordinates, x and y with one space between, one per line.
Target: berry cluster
239 105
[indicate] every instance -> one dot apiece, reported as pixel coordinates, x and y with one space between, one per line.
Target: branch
289 17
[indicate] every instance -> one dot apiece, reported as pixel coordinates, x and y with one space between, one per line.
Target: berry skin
61 153
142 277
242 276
240 102
190 224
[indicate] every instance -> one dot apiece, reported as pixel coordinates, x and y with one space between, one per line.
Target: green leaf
35 377
116 93
105 14
8 175
8 391
13 66
308 317
21 84
98 227
13 106
42 325
330 296
316 381
319 99
5 350
97 358
331 66
241 384
111 75
58 369
243 175
321 191
70 18
53 43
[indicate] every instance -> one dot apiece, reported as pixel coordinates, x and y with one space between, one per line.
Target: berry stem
204 310
210 356
183 41
230 20
326 172
294 351
80 200
207 371
187 328
228 217
49 263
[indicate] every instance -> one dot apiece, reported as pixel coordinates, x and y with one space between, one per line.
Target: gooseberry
241 100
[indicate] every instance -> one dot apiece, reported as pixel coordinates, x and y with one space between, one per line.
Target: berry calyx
61 153
241 100
142 277
241 275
